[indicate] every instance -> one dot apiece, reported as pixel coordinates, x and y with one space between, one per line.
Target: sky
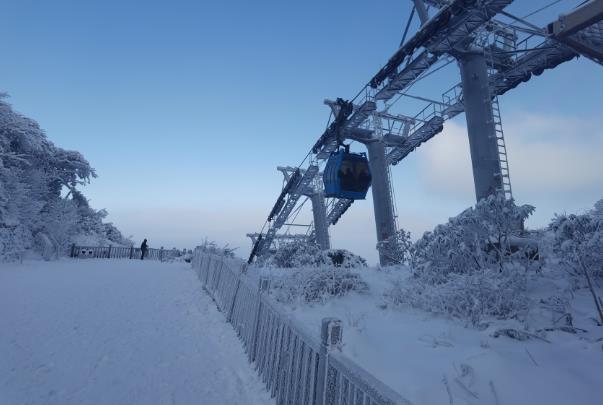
185 108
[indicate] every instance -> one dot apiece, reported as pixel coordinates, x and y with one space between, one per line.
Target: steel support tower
496 52
319 213
480 123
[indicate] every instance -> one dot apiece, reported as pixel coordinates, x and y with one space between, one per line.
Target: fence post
330 338
263 287
161 254
215 282
109 252
209 264
72 250
198 260
234 299
131 251
206 266
203 267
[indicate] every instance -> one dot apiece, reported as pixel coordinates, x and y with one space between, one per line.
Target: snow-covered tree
480 237
34 175
578 243
470 267
396 248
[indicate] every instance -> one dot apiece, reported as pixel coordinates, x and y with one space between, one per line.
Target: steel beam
577 20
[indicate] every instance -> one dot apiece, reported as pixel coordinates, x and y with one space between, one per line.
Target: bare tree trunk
593 292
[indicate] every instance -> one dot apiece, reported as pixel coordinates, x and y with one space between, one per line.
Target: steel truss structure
495 51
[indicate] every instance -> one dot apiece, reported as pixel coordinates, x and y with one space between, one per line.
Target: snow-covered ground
117 332
435 361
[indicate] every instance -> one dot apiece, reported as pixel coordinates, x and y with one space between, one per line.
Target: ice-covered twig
494 394
517 334
435 342
464 387
466 372
445 381
531 357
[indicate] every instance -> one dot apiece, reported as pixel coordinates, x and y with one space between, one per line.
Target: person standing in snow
143 248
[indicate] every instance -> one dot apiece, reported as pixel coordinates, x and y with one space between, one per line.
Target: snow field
117 332
435 361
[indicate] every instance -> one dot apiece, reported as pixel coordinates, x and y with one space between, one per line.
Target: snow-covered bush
471 267
597 211
300 270
396 248
578 244
296 254
470 297
578 241
306 254
178 255
213 248
345 259
479 238
314 284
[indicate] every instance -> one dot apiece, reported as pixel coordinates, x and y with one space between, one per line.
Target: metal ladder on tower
503 161
502 42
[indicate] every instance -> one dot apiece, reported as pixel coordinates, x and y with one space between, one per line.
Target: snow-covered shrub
578 244
479 238
213 248
296 254
307 254
314 284
471 297
597 211
471 267
578 241
344 258
396 248
178 255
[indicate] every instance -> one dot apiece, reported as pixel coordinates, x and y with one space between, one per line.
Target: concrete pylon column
321 227
382 202
480 124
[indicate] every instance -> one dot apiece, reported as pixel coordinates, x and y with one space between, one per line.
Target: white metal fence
296 367
120 252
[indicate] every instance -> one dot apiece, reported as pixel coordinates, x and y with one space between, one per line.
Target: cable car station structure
495 51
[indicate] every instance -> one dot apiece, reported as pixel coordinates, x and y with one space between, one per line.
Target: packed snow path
117 332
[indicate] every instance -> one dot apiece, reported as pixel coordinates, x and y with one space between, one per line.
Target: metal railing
119 252
296 367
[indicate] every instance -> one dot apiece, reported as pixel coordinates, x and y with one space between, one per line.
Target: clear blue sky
185 108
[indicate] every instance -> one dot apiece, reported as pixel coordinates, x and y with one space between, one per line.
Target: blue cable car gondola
347 175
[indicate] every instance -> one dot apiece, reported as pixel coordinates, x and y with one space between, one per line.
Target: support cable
421 77
521 20
295 214
412 13
542 8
